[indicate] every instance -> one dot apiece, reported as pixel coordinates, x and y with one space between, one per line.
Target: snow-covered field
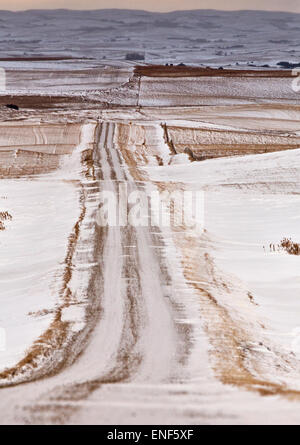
148 324
250 204
33 247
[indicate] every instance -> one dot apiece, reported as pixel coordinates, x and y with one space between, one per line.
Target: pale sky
154 5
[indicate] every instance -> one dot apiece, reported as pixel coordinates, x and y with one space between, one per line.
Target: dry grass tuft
286 245
4 216
290 247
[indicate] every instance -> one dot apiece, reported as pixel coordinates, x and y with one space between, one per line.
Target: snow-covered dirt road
161 332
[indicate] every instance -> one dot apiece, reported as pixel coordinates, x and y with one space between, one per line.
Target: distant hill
197 37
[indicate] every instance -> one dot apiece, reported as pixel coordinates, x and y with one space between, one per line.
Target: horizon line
149 11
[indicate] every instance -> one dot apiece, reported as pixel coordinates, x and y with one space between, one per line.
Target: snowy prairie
149 323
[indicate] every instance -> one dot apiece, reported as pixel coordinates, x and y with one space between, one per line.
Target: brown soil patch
37 59
205 151
185 71
45 102
17 163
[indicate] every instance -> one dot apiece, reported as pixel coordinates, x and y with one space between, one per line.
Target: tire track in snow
135 339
